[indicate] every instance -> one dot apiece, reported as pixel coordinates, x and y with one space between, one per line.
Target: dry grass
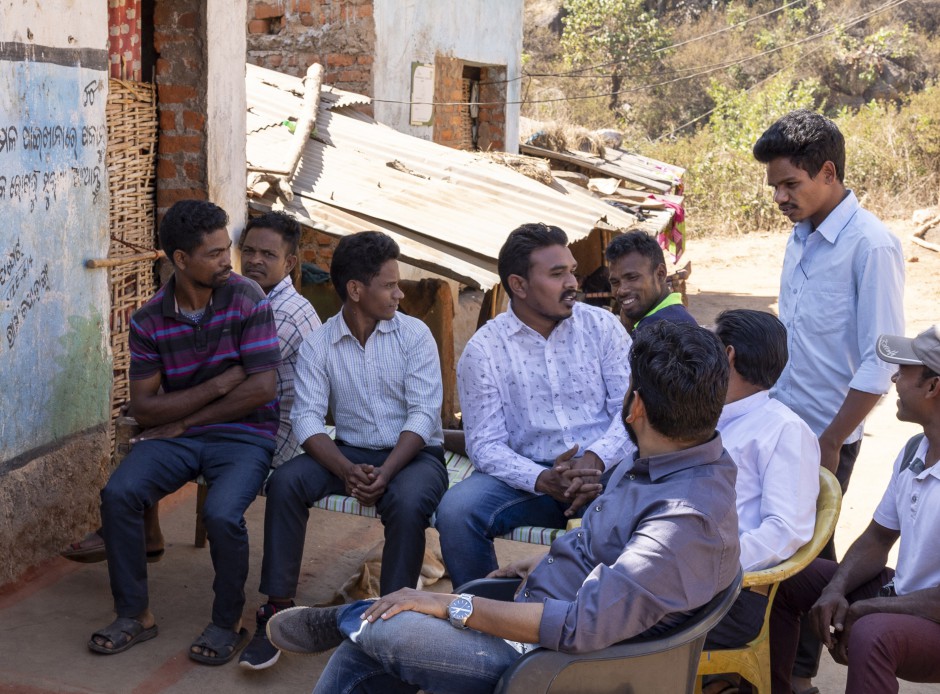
533 167
893 150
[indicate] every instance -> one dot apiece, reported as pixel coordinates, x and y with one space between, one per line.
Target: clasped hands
365 483
573 480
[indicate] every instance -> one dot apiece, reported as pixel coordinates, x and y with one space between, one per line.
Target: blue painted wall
55 370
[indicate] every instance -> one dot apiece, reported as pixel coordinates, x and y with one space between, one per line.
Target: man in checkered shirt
269 254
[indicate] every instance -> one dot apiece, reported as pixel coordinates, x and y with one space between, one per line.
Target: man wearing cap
884 624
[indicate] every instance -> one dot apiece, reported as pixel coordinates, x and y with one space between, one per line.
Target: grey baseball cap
921 350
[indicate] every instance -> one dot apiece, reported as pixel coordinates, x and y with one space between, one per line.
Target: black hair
516 253
282 223
186 223
360 257
927 374
681 373
808 139
636 242
760 344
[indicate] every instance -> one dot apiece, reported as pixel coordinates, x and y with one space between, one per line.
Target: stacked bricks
450 121
317 247
291 35
124 39
179 41
491 133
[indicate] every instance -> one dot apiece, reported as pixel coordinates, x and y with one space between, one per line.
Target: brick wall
453 123
491 133
179 42
290 35
450 122
317 247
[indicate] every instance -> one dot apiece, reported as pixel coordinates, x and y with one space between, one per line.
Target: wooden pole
95 263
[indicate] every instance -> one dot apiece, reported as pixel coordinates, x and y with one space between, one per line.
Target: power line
749 89
574 73
891 4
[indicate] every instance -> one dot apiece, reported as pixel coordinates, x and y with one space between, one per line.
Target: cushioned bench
458 468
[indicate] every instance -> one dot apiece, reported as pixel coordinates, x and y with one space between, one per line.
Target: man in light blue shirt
379 374
841 287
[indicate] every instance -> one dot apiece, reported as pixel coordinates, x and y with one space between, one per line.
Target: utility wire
748 90
891 4
574 73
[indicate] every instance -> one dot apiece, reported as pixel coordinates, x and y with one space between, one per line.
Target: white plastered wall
225 105
485 32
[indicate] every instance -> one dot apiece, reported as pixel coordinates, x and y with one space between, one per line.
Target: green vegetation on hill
697 81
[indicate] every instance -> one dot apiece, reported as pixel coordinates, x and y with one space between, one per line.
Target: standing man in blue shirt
841 287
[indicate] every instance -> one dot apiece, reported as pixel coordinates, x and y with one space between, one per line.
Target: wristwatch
459 611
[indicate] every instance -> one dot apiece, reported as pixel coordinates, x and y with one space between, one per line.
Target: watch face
460 609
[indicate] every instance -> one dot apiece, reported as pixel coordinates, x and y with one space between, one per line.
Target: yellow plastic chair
752 661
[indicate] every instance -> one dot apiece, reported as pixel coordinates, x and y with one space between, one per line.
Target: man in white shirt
777 457
883 623
378 372
541 387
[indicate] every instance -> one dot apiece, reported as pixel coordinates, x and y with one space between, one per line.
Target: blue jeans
405 509
412 651
234 465
480 508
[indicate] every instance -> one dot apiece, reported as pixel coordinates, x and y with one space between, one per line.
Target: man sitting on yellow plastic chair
777 456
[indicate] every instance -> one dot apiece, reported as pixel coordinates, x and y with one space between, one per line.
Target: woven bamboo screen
132 147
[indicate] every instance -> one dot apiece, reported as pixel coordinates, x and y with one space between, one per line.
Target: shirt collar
169 305
738 408
341 330
834 222
659 466
515 325
280 287
670 300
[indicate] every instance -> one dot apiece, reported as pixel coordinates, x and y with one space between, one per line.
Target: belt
760 590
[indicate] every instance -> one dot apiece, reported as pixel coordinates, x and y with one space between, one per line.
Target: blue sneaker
260 653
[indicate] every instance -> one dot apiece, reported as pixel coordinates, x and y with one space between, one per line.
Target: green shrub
892 156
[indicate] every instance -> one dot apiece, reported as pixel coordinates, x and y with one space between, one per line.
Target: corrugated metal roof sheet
450 210
643 172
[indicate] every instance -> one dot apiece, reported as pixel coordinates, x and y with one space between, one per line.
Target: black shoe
260 653
305 629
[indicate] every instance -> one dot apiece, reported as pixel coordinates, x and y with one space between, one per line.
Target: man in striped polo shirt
204 354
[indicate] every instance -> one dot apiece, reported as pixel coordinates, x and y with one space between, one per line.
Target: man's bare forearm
323 449
854 409
153 407
255 391
516 621
407 447
864 560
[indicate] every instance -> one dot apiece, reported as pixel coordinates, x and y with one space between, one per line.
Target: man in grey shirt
660 541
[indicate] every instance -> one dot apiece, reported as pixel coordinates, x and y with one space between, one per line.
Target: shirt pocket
826 307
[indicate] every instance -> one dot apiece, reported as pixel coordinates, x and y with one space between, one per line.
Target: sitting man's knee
872 634
455 508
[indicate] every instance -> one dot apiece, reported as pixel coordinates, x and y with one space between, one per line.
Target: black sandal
225 643
123 633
